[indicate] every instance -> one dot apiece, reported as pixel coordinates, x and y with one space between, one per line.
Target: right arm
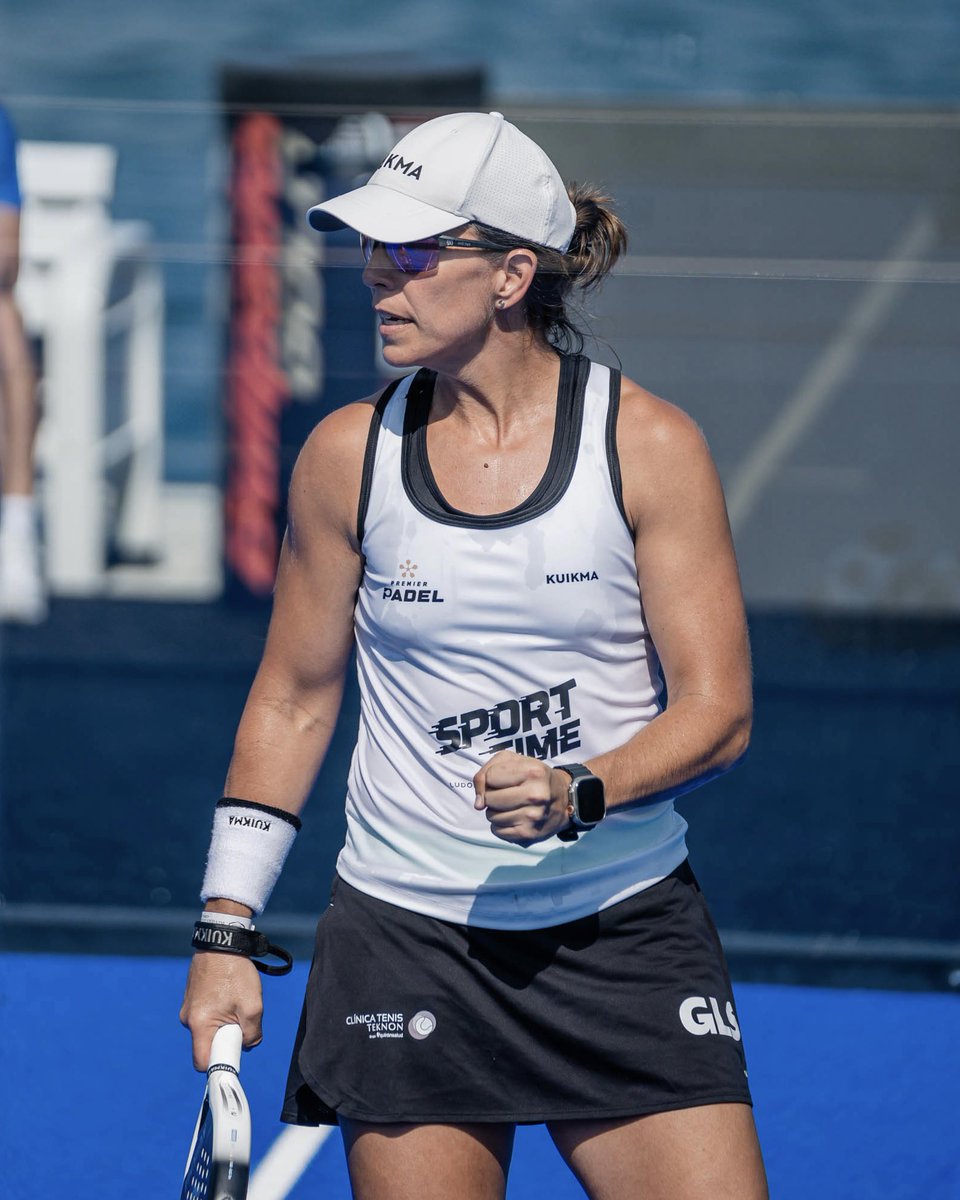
292 708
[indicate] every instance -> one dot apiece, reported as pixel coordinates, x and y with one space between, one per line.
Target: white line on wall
831 369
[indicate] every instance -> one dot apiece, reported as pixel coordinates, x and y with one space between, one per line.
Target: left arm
694 609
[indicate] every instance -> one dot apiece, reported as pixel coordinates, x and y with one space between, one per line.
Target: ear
515 277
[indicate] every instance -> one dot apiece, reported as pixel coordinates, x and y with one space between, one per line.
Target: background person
22 593
515 934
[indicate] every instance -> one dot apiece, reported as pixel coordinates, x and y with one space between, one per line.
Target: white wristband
248 847
216 918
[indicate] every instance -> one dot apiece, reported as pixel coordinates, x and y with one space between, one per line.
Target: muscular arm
694 611
292 707
293 704
693 605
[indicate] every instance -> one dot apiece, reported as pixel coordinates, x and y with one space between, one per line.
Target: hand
222 989
526 800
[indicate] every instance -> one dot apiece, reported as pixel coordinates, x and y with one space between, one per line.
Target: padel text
413 595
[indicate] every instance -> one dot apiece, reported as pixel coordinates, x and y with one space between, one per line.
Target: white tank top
523 630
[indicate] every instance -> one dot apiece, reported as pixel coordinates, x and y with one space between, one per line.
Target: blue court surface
857 1092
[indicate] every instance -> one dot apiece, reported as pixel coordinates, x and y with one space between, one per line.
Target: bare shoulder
661 448
329 470
654 426
337 440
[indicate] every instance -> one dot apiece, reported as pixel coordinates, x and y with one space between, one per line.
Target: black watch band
587 804
234 939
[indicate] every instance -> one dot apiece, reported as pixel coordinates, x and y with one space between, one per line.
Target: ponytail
599 236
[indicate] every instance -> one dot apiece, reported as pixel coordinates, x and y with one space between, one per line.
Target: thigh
709 1152
427 1162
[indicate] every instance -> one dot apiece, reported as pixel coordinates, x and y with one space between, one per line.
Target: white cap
453 170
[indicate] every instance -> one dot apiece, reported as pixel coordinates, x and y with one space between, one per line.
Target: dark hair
599 239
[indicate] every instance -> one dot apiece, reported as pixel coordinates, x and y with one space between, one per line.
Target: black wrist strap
571 832
234 939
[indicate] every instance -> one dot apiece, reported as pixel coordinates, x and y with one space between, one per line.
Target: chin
400 356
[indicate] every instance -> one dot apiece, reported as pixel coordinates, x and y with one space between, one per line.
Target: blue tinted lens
410 257
414 257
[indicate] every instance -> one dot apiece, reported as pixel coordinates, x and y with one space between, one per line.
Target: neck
503 387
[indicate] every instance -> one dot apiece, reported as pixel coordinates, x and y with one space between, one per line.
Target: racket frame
225 1106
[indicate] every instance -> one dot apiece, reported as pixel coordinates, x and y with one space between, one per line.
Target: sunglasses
415 258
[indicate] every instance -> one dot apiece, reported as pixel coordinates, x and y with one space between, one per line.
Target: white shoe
23 596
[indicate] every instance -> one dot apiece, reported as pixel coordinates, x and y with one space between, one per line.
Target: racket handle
226 1047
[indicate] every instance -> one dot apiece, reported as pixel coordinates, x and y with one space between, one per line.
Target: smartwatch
586 806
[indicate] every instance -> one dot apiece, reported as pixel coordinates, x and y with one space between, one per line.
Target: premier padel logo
408 589
540 724
701 1015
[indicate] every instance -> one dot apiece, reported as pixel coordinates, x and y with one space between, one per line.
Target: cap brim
383 214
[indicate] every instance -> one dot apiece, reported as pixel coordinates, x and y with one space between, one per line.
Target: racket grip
226 1047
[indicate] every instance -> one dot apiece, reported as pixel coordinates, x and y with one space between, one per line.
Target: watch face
590 802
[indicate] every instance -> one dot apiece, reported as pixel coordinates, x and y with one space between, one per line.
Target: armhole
613 457
370 454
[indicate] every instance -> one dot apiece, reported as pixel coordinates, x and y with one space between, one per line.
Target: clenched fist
526 800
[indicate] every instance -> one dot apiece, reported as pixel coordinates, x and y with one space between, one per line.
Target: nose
379 267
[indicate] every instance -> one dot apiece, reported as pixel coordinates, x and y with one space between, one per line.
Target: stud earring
500 303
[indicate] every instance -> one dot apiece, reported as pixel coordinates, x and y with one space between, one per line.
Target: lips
391 319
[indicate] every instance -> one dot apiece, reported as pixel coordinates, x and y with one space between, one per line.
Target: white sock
18 516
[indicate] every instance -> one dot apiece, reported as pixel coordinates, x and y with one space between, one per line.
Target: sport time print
538 725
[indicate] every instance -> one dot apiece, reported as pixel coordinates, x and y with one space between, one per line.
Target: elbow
736 743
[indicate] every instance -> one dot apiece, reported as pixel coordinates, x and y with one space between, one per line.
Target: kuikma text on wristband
248 847
234 939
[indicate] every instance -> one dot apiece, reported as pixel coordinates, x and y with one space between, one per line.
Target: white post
139 519
74 499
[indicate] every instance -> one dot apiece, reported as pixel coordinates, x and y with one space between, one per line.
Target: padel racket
218 1165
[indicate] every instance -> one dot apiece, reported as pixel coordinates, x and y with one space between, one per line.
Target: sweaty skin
488 441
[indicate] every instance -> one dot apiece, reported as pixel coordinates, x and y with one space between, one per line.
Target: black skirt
416 1020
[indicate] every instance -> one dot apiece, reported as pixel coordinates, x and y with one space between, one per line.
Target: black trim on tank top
370 454
418 478
613 456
